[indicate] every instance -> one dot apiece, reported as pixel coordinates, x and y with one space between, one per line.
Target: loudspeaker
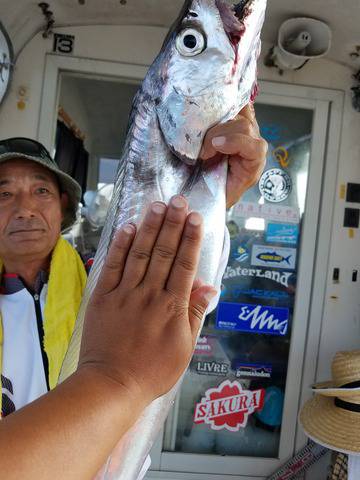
299 40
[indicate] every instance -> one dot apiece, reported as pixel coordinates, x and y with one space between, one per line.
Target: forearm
81 420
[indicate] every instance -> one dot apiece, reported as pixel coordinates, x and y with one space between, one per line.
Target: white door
236 413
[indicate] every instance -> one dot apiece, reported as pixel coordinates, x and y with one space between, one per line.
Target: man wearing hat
37 201
332 417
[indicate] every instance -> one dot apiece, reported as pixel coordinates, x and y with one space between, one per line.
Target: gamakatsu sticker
228 406
275 185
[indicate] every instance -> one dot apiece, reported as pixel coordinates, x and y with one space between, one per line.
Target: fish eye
190 42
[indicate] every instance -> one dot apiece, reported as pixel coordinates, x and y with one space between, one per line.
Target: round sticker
275 185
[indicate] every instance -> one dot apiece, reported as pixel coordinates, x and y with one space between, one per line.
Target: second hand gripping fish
204 74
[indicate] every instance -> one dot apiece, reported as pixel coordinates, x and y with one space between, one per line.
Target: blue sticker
239 253
271 132
243 317
282 233
272 412
251 370
236 292
275 257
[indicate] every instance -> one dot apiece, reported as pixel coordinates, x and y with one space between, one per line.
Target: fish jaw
248 50
200 91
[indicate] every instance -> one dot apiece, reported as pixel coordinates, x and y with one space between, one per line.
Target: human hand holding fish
240 141
140 329
153 273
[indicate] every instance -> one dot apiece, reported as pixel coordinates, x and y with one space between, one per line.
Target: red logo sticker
228 406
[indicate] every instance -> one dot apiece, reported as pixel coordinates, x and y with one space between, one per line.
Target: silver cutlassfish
204 74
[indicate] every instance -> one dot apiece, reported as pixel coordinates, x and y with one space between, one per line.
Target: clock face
6 60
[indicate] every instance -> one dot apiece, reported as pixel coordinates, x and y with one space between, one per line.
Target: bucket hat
21 147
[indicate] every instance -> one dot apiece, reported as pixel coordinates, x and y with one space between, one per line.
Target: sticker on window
253 370
274 257
244 317
282 233
228 406
212 368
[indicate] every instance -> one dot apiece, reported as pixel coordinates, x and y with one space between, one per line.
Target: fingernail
195 219
178 202
129 229
218 141
158 208
210 295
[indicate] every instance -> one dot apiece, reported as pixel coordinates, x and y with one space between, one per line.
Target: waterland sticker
276 276
274 257
228 406
244 317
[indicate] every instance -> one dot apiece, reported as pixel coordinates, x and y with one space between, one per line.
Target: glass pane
232 398
107 171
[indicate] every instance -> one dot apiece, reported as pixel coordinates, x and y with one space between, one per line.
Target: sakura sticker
228 406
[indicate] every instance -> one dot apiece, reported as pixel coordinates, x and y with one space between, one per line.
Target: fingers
243 174
242 145
113 268
182 274
167 243
141 249
246 170
242 124
198 282
199 302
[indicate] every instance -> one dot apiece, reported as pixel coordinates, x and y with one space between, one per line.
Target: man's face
30 211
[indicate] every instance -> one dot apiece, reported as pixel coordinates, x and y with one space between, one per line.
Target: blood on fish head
206 70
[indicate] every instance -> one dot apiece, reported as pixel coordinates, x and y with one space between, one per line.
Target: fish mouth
233 17
242 9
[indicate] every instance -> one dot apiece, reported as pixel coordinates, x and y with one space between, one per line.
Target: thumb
199 302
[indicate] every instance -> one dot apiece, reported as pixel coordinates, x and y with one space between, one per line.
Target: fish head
206 71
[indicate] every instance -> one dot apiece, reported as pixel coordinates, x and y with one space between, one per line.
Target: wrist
121 396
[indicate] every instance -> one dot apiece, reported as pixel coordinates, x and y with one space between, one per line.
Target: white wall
139 45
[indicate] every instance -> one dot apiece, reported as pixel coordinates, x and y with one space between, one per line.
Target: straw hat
332 417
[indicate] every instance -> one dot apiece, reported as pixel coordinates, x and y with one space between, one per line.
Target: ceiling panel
23 18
